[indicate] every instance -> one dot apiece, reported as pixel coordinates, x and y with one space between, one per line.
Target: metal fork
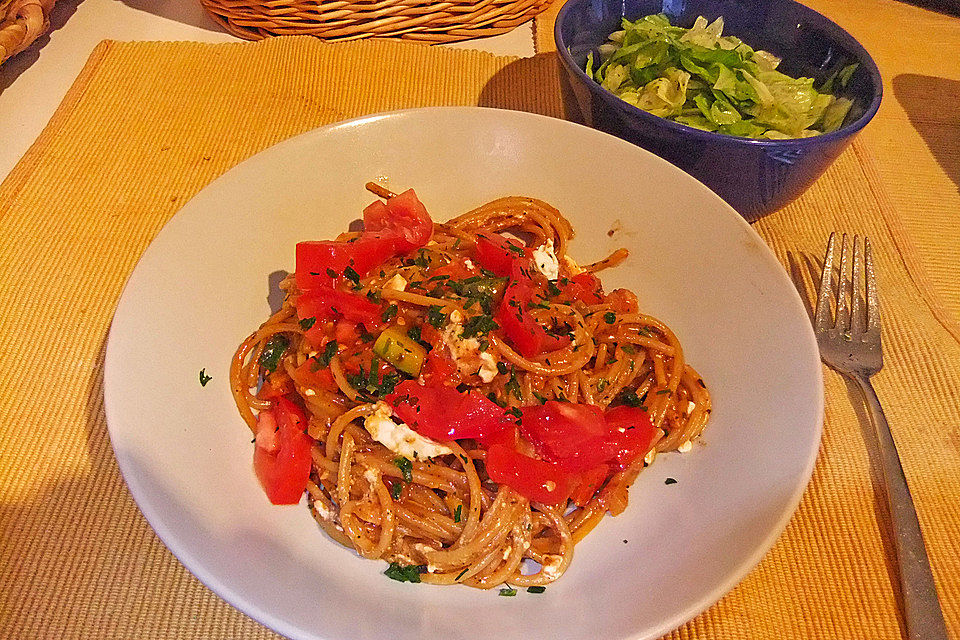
850 343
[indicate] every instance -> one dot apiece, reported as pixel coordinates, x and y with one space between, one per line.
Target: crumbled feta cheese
690 407
650 457
468 263
400 438
322 510
551 565
309 392
372 475
397 283
685 447
466 353
546 260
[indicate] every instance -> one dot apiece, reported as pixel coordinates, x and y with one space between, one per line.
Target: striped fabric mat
147 125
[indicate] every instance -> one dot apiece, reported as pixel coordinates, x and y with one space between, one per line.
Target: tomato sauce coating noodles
461 399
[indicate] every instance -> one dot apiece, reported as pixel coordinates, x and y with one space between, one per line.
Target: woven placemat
147 125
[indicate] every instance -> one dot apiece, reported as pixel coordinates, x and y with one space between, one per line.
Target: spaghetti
461 399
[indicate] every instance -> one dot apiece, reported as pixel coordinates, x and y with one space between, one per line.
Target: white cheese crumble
690 407
651 456
372 475
400 438
397 283
466 352
551 565
546 260
468 263
685 447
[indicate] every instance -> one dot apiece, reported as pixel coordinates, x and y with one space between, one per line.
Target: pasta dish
461 400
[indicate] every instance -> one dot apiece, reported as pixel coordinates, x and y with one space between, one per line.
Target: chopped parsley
333 274
552 288
629 397
421 260
436 317
602 384
389 313
273 351
670 481
323 360
307 323
404 573
374 296
478 325
458 513
460 575
204 378
507 591
395 490
406 468
610 317
352 275
536 589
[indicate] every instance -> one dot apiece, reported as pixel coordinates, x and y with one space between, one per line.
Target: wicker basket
22 22
425 20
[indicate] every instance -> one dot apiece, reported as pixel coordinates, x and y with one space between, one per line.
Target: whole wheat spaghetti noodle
461 399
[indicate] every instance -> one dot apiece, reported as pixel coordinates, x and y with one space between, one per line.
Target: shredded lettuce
704 79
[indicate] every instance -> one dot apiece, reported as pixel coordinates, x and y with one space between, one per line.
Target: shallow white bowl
201 287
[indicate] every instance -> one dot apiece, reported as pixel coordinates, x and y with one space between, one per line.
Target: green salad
703 79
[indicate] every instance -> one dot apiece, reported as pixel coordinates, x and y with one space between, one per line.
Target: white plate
201 287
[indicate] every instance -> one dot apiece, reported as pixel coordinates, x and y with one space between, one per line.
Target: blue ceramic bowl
756 177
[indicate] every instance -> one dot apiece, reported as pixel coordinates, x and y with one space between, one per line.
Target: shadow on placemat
513 87
931 104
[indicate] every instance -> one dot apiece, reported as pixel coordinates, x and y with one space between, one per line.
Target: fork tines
856 266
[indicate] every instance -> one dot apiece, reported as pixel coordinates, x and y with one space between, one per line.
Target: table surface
33 83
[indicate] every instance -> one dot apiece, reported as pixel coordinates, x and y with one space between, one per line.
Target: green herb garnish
436 317
478 325
508 591
536 589
204 378
404 573
457 513
389 313
307 323
275 348
610 317
406 468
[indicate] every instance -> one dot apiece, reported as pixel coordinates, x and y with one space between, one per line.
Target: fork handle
922 613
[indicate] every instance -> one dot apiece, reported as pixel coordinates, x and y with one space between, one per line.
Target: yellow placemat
147 125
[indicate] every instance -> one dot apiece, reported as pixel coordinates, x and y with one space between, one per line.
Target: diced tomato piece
319 378
275 385
456 270
282 463
497 254
327 303
570 434
440 369
443 413
525 334
629 434
588 483
585 287
320 263
402 217
538 480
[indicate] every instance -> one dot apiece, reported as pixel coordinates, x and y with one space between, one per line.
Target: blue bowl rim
836 31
